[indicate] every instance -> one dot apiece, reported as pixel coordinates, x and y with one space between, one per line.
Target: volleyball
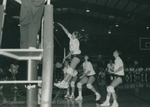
58 65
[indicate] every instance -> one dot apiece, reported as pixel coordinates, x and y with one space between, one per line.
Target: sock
80 93
115 101
107 98
72 94
97 93
68 93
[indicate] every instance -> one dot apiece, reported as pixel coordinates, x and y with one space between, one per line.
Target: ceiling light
109 32
117 25
82 30
147 27
87 10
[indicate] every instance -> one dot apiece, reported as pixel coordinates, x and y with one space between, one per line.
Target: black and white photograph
74 53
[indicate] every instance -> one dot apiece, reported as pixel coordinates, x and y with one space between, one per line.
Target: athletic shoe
72 96
62 85
115 104
56 84
67 96
79 98
98 96
65 85
105 104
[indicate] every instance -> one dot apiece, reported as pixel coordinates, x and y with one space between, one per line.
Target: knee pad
70 71
79 85
75 73
110 89
72 84
89 86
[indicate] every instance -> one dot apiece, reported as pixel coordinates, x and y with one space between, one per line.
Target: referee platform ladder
32 55
28 55
2 17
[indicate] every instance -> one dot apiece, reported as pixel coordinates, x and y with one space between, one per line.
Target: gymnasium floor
129 95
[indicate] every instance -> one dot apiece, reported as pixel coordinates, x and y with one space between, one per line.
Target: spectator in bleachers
14 68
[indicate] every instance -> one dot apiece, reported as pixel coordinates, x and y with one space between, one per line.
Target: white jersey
87 66
75 73
118 64
74 45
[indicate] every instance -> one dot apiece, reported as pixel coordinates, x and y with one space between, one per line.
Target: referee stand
32 56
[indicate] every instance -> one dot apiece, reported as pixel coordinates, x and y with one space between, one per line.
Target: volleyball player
72 82
118 72
74 46
87 78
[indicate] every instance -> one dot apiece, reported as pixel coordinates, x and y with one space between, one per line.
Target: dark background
131 16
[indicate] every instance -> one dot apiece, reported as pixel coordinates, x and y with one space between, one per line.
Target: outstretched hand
65 30
59 24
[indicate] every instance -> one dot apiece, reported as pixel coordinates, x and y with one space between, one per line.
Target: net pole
32 92
2 17
48 55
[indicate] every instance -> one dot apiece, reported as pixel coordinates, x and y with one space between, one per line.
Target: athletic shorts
121 76
91 76
75 73
77 55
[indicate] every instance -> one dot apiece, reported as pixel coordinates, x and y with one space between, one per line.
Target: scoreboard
144 43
